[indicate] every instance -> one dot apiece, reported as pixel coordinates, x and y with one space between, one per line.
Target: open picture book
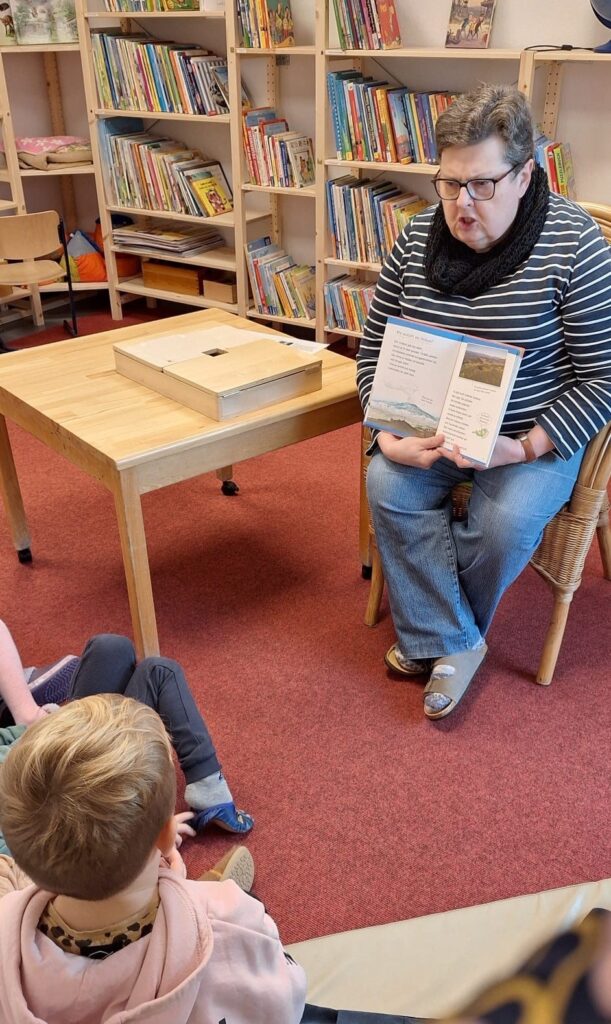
432 381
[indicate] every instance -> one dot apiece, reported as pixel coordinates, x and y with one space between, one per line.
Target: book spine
331 216
399 126
361 134
370 123
560 171
354 123
341 32
411 127
375 43
332 93
420 126
567 158
352 30
430 125
552 174
381 95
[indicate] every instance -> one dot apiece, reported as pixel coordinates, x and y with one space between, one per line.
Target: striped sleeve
579 413
386 302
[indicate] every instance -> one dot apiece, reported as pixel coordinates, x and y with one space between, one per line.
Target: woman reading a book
501 258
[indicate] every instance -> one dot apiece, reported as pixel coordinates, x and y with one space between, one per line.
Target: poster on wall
470 24
44 21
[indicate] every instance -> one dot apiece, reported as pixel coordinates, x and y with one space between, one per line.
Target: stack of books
366 216
276 156
557 161
156 238
377 122
347 302
265 23
148 172
280 286
138 72
205 6
367 24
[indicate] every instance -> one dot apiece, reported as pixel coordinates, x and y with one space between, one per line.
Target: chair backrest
602 215
27 236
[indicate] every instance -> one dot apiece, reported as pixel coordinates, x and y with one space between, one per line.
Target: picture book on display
367 24
470 24
265 24
431 381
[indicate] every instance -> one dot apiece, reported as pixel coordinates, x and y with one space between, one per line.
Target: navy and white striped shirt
556 305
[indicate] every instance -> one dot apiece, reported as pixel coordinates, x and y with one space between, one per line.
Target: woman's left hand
506 452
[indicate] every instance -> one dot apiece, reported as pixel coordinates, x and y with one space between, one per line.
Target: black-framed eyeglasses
480 189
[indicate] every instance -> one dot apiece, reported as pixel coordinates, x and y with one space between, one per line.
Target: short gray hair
486 111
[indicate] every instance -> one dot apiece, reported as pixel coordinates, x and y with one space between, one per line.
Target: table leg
11 496
228 486
135 560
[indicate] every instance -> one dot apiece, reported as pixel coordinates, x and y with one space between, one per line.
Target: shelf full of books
373 121
167 170
276 157
140 72
212 164
211 8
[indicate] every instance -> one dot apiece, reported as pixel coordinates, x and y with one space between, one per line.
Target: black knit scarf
452 267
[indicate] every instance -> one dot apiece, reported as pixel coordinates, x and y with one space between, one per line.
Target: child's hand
182 829
176 863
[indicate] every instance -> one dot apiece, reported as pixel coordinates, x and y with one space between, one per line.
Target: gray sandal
396 662
450 680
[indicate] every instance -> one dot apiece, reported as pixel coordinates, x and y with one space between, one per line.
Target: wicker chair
560 557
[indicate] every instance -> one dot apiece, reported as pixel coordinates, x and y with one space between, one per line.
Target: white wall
584 119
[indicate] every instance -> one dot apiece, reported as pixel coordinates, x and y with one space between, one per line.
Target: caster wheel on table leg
229 487
366 572
24 555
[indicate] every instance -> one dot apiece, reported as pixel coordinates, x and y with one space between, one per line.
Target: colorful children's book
390 34
301 159
470 24
431 381
211 195
280 22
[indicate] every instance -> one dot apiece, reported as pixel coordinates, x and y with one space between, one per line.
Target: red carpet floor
365 812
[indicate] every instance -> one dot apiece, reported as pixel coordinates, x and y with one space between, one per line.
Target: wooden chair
560 557
25 238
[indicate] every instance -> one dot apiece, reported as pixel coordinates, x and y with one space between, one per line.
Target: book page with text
477 398
414 371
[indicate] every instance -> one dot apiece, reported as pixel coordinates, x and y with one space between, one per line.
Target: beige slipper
237 865
450 678
395 661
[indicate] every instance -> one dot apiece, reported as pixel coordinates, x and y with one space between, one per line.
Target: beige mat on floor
431 966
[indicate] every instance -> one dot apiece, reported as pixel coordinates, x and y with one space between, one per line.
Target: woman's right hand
421 452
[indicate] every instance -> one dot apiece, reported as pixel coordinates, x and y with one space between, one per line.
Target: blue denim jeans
445 578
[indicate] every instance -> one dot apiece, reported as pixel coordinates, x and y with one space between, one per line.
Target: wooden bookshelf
270 94
162 115
223 258
261 208
218 259
528 62
136 286
16 177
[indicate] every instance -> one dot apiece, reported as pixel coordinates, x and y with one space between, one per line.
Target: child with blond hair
108 664
111 930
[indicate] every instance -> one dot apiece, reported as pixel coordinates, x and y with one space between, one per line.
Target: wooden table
133 440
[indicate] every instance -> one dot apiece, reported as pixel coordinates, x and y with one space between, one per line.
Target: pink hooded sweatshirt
213 957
